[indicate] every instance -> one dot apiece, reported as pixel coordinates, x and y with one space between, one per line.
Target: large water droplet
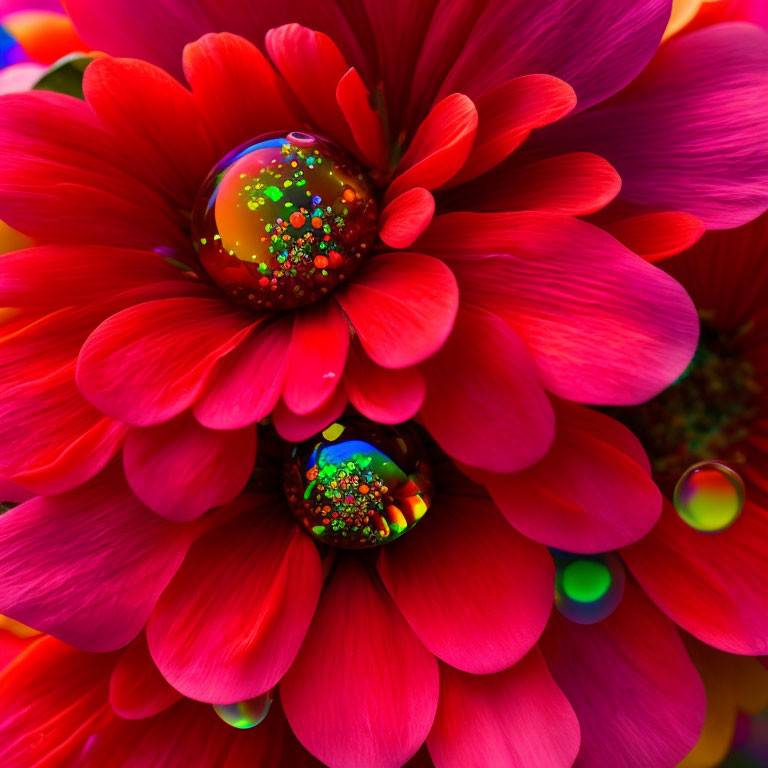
709 496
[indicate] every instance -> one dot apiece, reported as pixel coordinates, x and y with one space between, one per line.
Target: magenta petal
402 307
484 404
337 709
150 362
707 153
246 384
476 593
602 325
638 697
518 717
136 687
569 500
712 585
259 577
88 566
180 469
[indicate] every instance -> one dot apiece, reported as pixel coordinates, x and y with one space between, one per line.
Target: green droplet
586 581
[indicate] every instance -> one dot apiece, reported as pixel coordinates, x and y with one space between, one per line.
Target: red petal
713 585
655 236
316 361
484 404
180 469
88 566
220 69
337 708
381 394
518 717
150 362
295 428
155 119
508 113
636 693
277 566
602 324
246 384
364 122
51 698
440 147
406 217
476 593
402 307
136 688
569 499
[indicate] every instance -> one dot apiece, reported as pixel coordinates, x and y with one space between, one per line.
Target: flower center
283 219
706 414
359 484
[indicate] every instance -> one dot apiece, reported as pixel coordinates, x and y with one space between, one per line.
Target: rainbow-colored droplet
245 714
359 484
709 496
588 588
283 219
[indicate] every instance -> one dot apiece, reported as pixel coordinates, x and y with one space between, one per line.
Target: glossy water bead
245 714
359 484
283 219
709 496
588 588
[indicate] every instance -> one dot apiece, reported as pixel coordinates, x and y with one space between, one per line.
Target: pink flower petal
337 708
364 122
136 687
694 159
440 147
295 51
316 360
596 48
220 69
246 384
88 566
508 113
638 697
602 324
658 235
180 469
713 585
381 394
155 119
569 500
266 617
484 403
406 217
294 427
150 362
402 307
477 594
516 717
53 697
55 142
576 184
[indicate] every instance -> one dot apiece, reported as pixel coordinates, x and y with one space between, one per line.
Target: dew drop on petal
588 588
283 219
359 484
245 714
709 496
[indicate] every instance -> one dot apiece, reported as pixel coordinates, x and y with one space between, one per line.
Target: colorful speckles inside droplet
709 496
245 714
359 484
588 588
282 220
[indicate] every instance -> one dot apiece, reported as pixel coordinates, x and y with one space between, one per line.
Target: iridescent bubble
245 714
359 484
709 496
588 588
283 219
